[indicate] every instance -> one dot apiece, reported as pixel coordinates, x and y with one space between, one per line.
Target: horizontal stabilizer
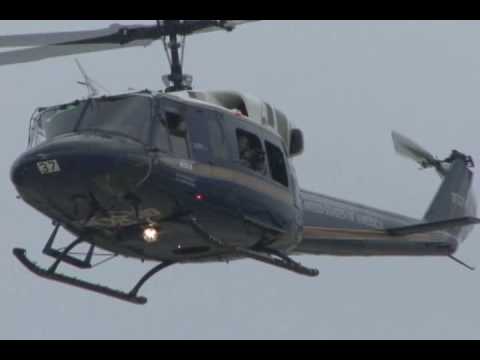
433 226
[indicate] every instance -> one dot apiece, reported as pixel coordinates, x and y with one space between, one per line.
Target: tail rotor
411 150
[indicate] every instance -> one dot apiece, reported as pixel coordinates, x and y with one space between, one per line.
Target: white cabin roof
250 107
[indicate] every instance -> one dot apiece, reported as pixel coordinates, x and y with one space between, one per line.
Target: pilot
245 150
259 161
249 156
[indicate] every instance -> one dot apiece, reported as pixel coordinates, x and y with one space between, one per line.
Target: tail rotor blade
409 149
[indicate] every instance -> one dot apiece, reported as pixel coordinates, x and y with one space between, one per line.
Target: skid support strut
267 256
64 257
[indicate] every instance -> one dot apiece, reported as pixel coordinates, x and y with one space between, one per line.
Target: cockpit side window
250 151
178 133
276 162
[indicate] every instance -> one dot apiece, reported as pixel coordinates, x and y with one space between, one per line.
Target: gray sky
347 84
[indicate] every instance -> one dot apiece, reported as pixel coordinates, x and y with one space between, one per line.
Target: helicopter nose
47 169
54 163
74 164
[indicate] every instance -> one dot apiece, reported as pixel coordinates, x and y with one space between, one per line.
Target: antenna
91 85
471 268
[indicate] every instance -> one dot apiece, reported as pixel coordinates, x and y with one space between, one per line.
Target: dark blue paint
110 167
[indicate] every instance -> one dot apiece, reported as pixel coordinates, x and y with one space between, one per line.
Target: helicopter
186 176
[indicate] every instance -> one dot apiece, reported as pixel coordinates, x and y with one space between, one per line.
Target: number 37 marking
48 167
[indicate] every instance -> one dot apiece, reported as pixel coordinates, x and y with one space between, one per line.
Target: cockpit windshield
124 115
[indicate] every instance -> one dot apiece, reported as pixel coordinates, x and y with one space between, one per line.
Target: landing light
150 234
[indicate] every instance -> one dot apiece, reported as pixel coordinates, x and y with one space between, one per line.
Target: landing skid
64 257
131 297
20 254
270 257
265 255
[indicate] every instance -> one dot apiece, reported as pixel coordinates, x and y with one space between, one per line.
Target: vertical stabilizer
454 198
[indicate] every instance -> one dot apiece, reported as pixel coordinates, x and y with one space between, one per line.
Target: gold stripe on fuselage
255 183
316 232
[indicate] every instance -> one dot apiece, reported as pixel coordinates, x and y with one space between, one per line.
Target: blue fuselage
109 186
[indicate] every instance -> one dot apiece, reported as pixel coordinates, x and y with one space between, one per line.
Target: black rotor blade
119 34
203 26
228 25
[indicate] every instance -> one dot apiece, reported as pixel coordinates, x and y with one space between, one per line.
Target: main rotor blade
228 25
24 40
407 148
114 37
118 33
51 51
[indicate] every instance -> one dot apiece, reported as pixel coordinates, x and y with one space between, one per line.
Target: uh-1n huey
185 176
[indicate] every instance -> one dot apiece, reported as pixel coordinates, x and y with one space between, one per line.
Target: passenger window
217 140
250 151
276 161
177 129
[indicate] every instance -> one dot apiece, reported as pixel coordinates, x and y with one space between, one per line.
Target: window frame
157 124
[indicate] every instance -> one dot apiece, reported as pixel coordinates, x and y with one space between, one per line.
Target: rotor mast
117 36
176 80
